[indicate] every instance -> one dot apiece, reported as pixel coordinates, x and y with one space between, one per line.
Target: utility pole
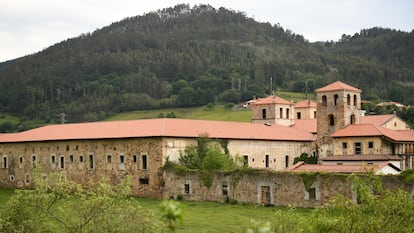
62 118
271 84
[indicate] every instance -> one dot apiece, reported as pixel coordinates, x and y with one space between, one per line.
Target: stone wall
265 187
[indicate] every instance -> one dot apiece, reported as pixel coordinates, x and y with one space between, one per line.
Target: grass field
205 217
218 112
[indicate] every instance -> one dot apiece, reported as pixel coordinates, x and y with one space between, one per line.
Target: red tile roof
378 120
366 130
308 125
305 104
272 99
167 127
348 168
361 158
337 86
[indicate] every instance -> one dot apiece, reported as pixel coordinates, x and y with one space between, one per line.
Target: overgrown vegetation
306 158
376 210
59 205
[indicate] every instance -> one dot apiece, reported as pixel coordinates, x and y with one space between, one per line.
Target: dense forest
192 56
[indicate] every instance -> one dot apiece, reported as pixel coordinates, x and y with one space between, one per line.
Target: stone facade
85 160
335 110
273 112
361 146
266 188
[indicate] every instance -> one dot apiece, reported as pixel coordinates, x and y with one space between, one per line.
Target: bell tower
338 105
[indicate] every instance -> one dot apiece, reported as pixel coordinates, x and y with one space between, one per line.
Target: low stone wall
265 187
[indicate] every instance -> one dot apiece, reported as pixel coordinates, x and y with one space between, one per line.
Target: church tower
338 105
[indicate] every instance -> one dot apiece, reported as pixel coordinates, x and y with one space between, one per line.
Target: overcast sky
28 26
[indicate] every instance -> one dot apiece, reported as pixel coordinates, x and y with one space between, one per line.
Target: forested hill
183 56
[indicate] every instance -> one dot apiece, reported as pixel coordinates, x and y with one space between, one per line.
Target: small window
355 100
53 159
352 119
109 159
4 165
298 115
335 100
91 162
287 161
287 113
187 188
225 189
371 145
357 148
144 162
62 162
34 161
324 101
71 159
281 113
122 159
331 120
144 180
314 114
263 113
67 147
245 160
134 158
348 99
81 158
21 159
267 161
344 145
312 194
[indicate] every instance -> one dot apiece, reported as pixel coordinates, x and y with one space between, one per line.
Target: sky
29 26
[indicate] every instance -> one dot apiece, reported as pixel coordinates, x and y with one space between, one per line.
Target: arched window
331 120
355 100
352 119
335 99
348 99
324 101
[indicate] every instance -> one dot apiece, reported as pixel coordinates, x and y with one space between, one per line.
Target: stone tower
338 105
273 110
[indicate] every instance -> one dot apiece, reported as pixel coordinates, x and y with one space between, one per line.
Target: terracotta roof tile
366 130
167 127
305 104
378 120
272 99
308 125
337 86
354 168
361 158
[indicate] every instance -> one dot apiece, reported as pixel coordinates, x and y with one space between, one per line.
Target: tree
59 205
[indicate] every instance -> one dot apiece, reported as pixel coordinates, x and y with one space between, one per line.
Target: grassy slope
218 112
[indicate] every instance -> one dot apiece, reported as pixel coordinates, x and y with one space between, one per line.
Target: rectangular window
134 158
53 159
187 188
314 114
245 160
298 115
287 161
312 194
91 162
71 158
81 158
281 113
144 180
62 162
357 148
34 161
21 159
109 158
144 162
225 189
287 113
344 145
267 161
371 145
121 159
263 113
4 165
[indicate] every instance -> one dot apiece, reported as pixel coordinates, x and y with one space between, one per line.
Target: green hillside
186 56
